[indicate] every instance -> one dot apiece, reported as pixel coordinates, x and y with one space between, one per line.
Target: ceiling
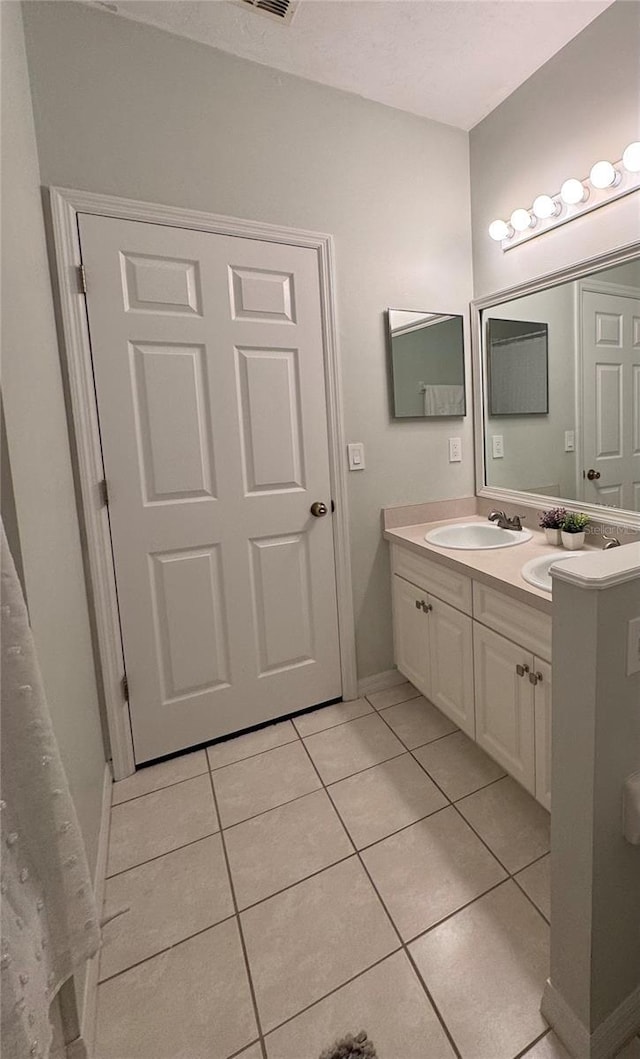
447 60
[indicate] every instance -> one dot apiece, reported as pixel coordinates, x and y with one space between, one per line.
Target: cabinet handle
535 678
427 607
521 670
419 604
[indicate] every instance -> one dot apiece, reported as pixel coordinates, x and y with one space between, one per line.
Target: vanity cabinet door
411 633
451 660
542 706
505 704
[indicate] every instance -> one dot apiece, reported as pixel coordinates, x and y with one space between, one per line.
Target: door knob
592 475
318 509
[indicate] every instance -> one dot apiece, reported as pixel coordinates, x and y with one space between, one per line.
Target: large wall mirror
427 363
568 368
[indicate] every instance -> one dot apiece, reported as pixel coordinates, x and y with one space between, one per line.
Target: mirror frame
614 516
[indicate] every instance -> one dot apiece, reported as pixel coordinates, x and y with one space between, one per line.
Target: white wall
595 885
582 105
38 450
129 110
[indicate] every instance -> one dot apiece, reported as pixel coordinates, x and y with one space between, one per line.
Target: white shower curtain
49 917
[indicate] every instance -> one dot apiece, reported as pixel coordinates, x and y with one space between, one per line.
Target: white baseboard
84 1046
606 1040
565 1023
380 681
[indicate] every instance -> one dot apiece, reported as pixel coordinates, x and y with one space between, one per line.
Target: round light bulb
545 207
604 175
500 230
573 191
521 220
631 157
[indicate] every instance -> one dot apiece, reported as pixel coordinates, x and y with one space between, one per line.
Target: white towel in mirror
443 400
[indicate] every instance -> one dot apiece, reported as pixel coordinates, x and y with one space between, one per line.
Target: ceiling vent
279 10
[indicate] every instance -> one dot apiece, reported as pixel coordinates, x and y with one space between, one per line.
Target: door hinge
103 492
333 506
82 279
125 688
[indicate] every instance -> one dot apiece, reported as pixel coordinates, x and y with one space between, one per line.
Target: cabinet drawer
446 584
518 622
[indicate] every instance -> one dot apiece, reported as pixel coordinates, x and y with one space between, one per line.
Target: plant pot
572 541
552 535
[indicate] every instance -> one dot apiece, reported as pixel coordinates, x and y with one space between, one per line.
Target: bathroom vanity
475 639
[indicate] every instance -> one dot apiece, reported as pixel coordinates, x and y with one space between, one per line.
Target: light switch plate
497 443
455 450
633 647
569 441
355 451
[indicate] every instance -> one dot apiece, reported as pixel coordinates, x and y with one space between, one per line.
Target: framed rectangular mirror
427 364
584 450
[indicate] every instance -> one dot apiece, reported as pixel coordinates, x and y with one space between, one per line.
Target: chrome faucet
610 542
504 522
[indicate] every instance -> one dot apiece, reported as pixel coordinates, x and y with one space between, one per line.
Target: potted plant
572 530
551 522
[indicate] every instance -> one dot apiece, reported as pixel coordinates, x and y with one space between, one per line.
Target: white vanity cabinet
482 657
433 634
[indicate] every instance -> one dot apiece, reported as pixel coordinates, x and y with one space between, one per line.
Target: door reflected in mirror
427 364
587 445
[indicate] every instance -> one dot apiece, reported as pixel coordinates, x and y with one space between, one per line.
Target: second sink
538 571
476 535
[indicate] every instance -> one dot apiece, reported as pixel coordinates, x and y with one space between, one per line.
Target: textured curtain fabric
49 917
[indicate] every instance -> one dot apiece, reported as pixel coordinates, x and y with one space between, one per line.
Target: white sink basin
476 535
538 571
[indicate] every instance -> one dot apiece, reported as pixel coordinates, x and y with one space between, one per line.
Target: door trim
66 204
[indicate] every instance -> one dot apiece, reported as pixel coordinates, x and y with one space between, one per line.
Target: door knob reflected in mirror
318 509
593 475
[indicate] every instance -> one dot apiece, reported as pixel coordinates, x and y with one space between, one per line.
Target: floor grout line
397 932
454 805
165 853
525 1051
167 948
155 790
332 992
249 757
243 943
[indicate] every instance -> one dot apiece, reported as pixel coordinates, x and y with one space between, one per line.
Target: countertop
500 568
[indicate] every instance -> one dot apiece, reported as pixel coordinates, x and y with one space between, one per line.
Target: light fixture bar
624 183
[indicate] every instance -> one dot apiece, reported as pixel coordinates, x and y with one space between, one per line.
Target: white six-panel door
209 371
611 396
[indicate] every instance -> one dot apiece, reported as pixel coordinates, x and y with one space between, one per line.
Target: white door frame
66 204
593 286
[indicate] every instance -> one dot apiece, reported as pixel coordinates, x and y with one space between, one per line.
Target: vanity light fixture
500 230
544 207
631 157
607 181
522 219
604 175
573 192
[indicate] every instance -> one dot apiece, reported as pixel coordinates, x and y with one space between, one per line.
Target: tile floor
364 866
